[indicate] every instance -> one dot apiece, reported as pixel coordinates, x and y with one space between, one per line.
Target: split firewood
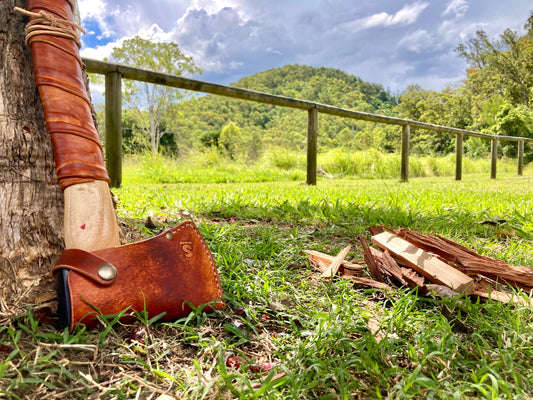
469 261
336 263
406 276
316 257
390 267
424 263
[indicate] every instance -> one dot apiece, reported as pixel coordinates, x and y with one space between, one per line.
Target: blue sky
394 43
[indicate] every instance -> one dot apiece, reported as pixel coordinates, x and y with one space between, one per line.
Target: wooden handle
90 223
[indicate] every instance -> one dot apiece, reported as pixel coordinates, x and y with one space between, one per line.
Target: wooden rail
115 72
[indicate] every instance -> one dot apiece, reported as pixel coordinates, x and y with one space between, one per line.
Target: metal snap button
107 272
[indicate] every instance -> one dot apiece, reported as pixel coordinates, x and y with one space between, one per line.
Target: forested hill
323 85
244 129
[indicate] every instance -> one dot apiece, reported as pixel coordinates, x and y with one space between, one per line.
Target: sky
391 42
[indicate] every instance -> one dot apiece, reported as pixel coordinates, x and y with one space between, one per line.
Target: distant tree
503 66
514 121
230 139
210 138
426 106
150 103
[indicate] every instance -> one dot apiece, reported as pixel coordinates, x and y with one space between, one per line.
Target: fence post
459 156
493 157
404 173
113 127
312 134
520 157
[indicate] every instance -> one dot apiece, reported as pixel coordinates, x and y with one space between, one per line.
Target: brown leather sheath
160 275
67 109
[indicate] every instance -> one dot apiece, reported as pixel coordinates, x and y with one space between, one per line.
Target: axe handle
89 222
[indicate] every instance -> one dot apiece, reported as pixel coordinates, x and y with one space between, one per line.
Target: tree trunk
31 203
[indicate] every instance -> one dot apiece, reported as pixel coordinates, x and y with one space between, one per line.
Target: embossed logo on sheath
187 248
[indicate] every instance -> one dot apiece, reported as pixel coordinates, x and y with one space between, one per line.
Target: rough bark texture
31 203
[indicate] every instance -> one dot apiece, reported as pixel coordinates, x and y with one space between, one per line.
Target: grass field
286 334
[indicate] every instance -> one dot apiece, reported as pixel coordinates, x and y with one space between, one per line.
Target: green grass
287 165
315 333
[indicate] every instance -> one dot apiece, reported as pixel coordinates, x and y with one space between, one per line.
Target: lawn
285 333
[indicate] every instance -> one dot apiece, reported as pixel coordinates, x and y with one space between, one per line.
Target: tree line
495 97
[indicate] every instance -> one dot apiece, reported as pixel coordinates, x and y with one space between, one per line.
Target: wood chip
336 263
313 255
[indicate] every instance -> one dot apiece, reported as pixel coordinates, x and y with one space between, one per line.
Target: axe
165 275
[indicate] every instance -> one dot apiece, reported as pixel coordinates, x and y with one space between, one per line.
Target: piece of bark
370 261
412 277
469 261
389 266
336 263
501 297
424 263
327 259
376 229
346 271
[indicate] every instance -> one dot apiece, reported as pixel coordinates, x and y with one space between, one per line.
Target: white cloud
155 34
223 40
455 32
91 9
100 52
406 16
214 6
456 7
418 41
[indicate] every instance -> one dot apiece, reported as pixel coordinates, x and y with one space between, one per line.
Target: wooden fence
114 73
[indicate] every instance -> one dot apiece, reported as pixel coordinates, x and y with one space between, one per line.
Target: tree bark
31 202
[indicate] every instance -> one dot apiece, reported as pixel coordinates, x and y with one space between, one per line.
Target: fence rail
113 131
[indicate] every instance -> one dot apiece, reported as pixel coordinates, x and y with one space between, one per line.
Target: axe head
164 274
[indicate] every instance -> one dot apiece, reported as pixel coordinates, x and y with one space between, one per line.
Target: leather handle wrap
67 109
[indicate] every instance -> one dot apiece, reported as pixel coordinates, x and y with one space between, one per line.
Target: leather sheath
67 109
160 275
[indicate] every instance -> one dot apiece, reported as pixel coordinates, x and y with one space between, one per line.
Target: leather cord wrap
53 38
